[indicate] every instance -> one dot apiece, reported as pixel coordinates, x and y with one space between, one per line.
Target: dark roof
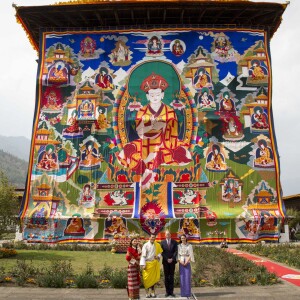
292 201
292 197
149 14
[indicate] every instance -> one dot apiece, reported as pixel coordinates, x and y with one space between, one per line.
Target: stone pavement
285 291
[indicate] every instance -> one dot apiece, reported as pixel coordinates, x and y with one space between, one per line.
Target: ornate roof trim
93 14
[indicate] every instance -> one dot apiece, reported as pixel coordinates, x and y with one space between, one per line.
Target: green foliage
5 252
14 168
2 273
285 253
220 268
265 278
8 235
119 279
9 206
212 266
20 245
17 245
24 270
53 280
148 192
55 275
106 272
291 212
86 279
156 193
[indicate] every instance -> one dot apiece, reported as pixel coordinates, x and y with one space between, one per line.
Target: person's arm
128 256
175 252
143 256
164 254
190 255
158 250
179 257
145 124
192 259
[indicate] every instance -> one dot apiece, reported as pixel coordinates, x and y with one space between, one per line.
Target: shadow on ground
202 295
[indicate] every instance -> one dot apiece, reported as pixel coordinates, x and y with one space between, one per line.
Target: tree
9 206
294 215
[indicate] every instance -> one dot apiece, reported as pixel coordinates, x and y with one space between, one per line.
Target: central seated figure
157 128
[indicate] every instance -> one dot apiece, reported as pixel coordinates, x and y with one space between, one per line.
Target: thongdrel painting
139 131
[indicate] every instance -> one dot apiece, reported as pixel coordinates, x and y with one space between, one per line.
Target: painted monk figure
264 155
48 159
157 128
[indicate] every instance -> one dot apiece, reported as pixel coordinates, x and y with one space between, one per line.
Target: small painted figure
48 160
259 119
75 227
86 109
90 156
87 198
74 128
87 47
264 155
215 160
202 79
58 73
104 80
177 48
227 104
231 191
206 101
222 45
154 46
101 122
257 72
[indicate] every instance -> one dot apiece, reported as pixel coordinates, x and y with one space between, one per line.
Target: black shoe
173 295
166 295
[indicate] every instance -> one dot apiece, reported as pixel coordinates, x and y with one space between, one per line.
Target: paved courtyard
285 291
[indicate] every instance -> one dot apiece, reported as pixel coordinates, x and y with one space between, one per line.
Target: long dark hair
130 244
180 242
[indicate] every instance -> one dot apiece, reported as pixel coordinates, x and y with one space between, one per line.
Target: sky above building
19 69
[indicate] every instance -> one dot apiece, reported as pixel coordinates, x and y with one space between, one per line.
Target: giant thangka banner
139 131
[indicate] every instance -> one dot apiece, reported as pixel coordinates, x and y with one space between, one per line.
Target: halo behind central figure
163 69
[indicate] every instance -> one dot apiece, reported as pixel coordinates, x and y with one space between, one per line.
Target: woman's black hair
185 238
130 244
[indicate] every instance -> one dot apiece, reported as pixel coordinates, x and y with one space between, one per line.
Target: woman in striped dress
133 271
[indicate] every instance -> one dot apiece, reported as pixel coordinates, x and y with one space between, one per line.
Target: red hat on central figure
154 81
